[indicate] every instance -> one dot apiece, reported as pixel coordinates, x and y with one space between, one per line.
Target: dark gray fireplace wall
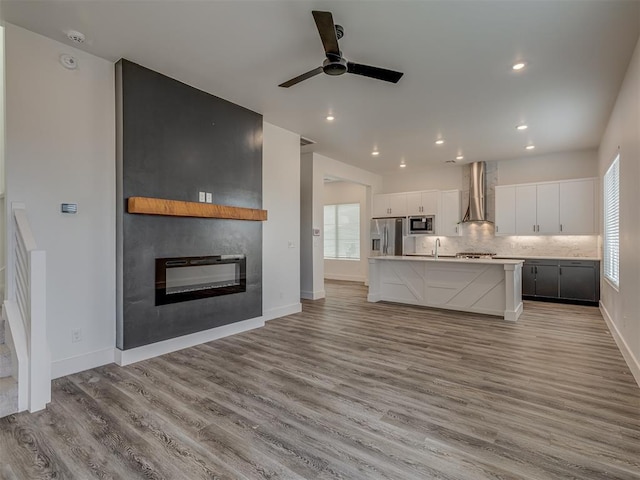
172 142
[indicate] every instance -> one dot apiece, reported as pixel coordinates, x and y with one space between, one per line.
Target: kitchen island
488 286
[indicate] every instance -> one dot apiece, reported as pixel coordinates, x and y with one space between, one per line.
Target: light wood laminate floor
353 390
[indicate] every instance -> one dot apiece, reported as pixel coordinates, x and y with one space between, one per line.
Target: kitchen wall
60 147
353 270
621 305
412 179
546 168
480 237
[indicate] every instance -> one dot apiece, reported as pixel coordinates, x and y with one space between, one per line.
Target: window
612 223
342 231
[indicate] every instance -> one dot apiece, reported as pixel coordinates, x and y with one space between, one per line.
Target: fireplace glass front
190 278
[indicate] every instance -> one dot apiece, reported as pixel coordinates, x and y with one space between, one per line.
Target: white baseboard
312 295
281 311
348 278
80 363
629 357
133 355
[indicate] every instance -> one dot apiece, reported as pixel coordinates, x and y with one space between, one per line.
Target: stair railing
25 308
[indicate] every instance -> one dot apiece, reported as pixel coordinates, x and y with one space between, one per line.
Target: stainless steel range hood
476 209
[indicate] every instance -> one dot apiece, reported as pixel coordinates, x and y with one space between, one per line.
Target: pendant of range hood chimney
476 208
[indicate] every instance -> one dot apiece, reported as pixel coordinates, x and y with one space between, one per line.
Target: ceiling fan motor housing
335 66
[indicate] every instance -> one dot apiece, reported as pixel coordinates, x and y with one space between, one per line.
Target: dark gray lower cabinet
574 281
540 278
579 280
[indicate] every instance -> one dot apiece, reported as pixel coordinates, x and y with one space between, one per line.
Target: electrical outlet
209 197
76 335
201 196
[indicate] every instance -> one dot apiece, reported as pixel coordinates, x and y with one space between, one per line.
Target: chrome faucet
437 245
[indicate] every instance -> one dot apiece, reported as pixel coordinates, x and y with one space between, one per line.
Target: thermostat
69 208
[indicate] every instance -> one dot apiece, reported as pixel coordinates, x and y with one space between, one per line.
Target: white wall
60 147
344 269
544 168
409 179
622 307
281 232
314 168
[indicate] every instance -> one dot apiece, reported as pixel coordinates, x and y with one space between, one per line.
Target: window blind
612 223
342 231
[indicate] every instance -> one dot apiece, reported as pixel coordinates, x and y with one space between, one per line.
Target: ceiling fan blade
374 72
300 78
327 31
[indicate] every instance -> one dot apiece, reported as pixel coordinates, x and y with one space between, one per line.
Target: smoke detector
75 36
69 62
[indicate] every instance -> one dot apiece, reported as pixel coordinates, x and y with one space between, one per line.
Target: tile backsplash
480 237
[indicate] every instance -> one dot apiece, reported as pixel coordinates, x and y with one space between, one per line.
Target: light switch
209 197
201 196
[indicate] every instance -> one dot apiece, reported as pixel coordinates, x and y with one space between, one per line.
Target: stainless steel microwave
422 225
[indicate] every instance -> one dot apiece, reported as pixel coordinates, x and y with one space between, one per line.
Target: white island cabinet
488 286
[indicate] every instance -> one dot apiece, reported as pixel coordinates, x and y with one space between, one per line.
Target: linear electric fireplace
190 278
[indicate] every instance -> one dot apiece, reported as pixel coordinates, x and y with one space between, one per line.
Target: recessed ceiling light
522 127
402 165
440 141
518 66
330 118
460 157
375 153
530 147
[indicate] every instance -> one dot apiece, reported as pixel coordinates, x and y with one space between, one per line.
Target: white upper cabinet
526 208
505 210
550 208
578 207
422 203
390 205
449 217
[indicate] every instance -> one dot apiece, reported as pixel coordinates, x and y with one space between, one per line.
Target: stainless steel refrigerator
387 236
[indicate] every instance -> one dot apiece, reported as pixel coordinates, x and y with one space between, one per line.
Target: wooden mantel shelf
177 208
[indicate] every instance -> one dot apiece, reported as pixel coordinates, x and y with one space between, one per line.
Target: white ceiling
455 55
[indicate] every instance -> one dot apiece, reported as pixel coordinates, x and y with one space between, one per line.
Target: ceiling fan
335 63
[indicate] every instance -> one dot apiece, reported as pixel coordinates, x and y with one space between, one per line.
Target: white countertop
523 257
414 258
548 257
